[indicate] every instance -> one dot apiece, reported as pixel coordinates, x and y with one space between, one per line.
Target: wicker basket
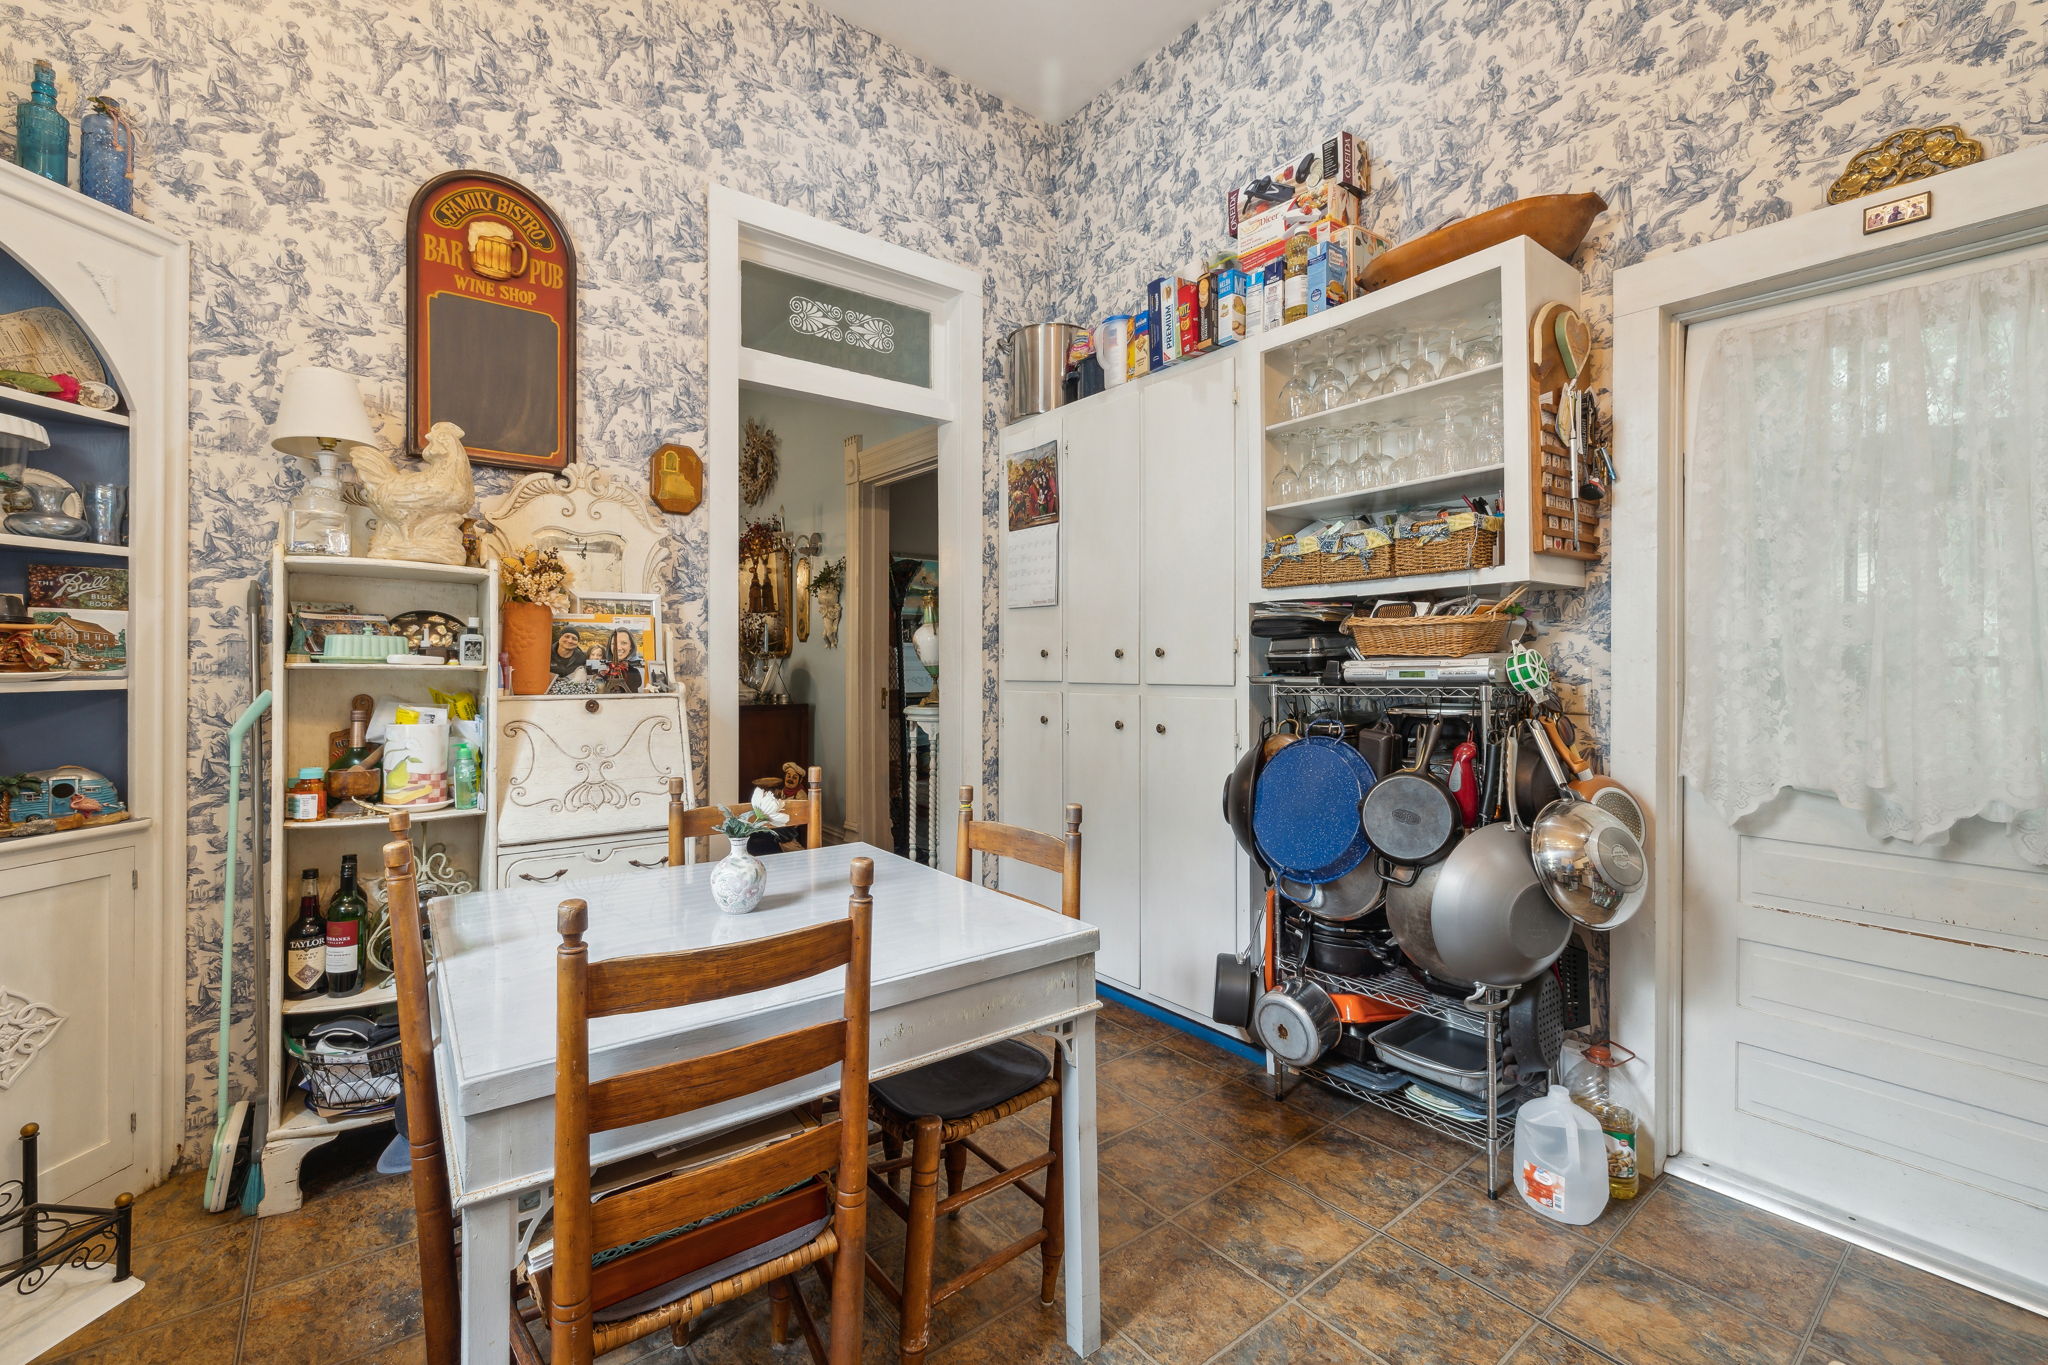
1454 552
1429 637
1294 571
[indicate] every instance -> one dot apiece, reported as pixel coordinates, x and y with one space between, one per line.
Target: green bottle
42 136
345 916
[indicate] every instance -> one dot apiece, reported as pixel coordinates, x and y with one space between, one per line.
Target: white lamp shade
320 404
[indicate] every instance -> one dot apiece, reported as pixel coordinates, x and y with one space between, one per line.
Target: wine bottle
305 943
345 914
355 775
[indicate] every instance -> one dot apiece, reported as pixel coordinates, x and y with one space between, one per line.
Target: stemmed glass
1399 444
1295 398
1287 482
1436 354
1482 340
1322 466
1372 454
1401 370
1371 353
1357 468
1326 380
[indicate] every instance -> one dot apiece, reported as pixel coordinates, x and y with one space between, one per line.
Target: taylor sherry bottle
305 943
345 915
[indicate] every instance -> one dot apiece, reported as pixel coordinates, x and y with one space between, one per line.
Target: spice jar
306 799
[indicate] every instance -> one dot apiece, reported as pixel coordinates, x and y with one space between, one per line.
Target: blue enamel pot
1305 810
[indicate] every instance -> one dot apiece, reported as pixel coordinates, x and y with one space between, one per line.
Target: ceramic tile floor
1234 1230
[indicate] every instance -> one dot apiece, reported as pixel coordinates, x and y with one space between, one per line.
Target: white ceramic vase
738 881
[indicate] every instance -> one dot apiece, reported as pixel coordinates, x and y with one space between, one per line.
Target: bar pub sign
491 321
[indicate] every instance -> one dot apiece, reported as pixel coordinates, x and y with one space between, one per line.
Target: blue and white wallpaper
284 141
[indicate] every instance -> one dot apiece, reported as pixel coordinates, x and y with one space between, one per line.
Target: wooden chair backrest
1059 853
696 822
433 1209
587 990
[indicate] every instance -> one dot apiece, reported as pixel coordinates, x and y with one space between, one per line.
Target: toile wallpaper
284 143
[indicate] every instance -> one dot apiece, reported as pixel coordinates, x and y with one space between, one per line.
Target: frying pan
1601 790
1305 809
1587 861
1300 1021
1411 817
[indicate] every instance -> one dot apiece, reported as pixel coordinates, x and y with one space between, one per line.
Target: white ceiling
1049 57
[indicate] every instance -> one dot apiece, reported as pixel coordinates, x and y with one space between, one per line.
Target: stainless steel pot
1296 1023
1038 364
1589 863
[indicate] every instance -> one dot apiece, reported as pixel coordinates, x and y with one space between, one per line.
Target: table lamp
322 410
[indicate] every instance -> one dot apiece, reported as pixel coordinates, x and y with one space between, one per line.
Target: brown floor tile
1274 1230
1251 1071
1119 1215
1167 1166
1159 1077
1358 1176
1548 1346
1410 1138
411 1351
339 1226
737 1334
206 1338
963 1242
1292 1337
173 1209
1118 1110
179 1277
1414 1312
377 1299
1637 1315
1765 1265
1884 1312
1603 1229
1310 1098
1247 1120
1113 1039
1032 1335
1514 1252
1178 1300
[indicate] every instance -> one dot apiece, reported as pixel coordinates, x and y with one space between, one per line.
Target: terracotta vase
524 627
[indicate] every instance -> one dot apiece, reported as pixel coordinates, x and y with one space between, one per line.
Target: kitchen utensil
53 514
1464 783
1433 1050
1601 790
1283 734
1380 745
1300 1021
1038 365
1490 920
1237 986
1357 949
1557 222
1408 917
1352 896
1588 863
1533 785
1237 800
1411 816
1305 809
1536 1026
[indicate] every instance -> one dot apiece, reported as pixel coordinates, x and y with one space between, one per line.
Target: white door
1030 724
70 993
1864 1023
1031 649
1188 590
1190 863
1103 776
1099 534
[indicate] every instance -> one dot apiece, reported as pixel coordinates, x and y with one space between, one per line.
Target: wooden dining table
956 966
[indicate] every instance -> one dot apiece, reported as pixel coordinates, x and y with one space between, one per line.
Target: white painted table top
495 960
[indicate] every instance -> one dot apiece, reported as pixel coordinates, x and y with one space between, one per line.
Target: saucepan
1300 1021
1588 861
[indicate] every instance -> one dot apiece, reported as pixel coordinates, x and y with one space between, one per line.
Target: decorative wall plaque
1907 155
675 479
491 321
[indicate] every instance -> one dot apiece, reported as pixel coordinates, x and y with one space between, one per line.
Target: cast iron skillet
1237 797
1411 817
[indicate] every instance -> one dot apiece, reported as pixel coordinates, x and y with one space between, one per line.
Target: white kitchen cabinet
1188 872
1029 728
1187 585
73 1012
1099 537
1103 773
1031 645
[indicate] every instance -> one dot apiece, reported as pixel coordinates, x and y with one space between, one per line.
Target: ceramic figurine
421 506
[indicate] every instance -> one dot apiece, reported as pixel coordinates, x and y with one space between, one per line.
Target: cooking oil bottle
1594 1088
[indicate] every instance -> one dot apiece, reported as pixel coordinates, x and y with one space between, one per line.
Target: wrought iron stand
54 1236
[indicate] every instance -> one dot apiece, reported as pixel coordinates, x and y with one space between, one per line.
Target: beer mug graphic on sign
491 251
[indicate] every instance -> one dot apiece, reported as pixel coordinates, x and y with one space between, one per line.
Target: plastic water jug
1560 1159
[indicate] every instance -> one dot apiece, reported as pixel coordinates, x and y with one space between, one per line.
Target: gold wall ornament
675 477
1907 155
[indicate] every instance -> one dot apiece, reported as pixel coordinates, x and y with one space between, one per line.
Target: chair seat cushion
967 1084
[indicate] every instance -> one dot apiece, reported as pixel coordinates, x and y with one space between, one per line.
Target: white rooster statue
420 504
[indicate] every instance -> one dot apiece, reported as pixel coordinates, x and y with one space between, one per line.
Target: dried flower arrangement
535 575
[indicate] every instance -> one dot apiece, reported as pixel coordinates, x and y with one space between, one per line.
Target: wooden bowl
1556 222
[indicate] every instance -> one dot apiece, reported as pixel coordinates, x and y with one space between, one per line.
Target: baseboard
1225 1041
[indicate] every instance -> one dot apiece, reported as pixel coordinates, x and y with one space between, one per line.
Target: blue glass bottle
42 136
106 155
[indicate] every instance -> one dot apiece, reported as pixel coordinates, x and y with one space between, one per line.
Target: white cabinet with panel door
1030 725
1188 872
1099 536
1031 645
1104 774
1188 467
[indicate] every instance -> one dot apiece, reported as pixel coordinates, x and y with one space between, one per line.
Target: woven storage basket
1472 548
1294 571
1429 637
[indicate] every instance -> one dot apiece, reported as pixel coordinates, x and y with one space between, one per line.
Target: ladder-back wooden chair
938 1108
809 1190
696 822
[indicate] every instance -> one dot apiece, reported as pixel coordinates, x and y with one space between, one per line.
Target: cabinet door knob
1160 728
1043 721
591 707
1045 654
554 876
1159 651
1119 654
1119 725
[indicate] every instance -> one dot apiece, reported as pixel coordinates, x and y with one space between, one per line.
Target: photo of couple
595 659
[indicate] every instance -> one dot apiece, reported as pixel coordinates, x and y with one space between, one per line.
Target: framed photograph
1898 212
598 652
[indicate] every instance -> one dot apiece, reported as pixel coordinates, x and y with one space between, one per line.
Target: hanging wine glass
1372 451
1356 469
1322 464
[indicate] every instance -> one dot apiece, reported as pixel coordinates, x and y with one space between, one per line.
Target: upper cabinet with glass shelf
1413 400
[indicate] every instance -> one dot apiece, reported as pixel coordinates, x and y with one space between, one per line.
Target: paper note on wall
1031 540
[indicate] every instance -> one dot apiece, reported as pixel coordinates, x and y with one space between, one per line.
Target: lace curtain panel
1867 559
